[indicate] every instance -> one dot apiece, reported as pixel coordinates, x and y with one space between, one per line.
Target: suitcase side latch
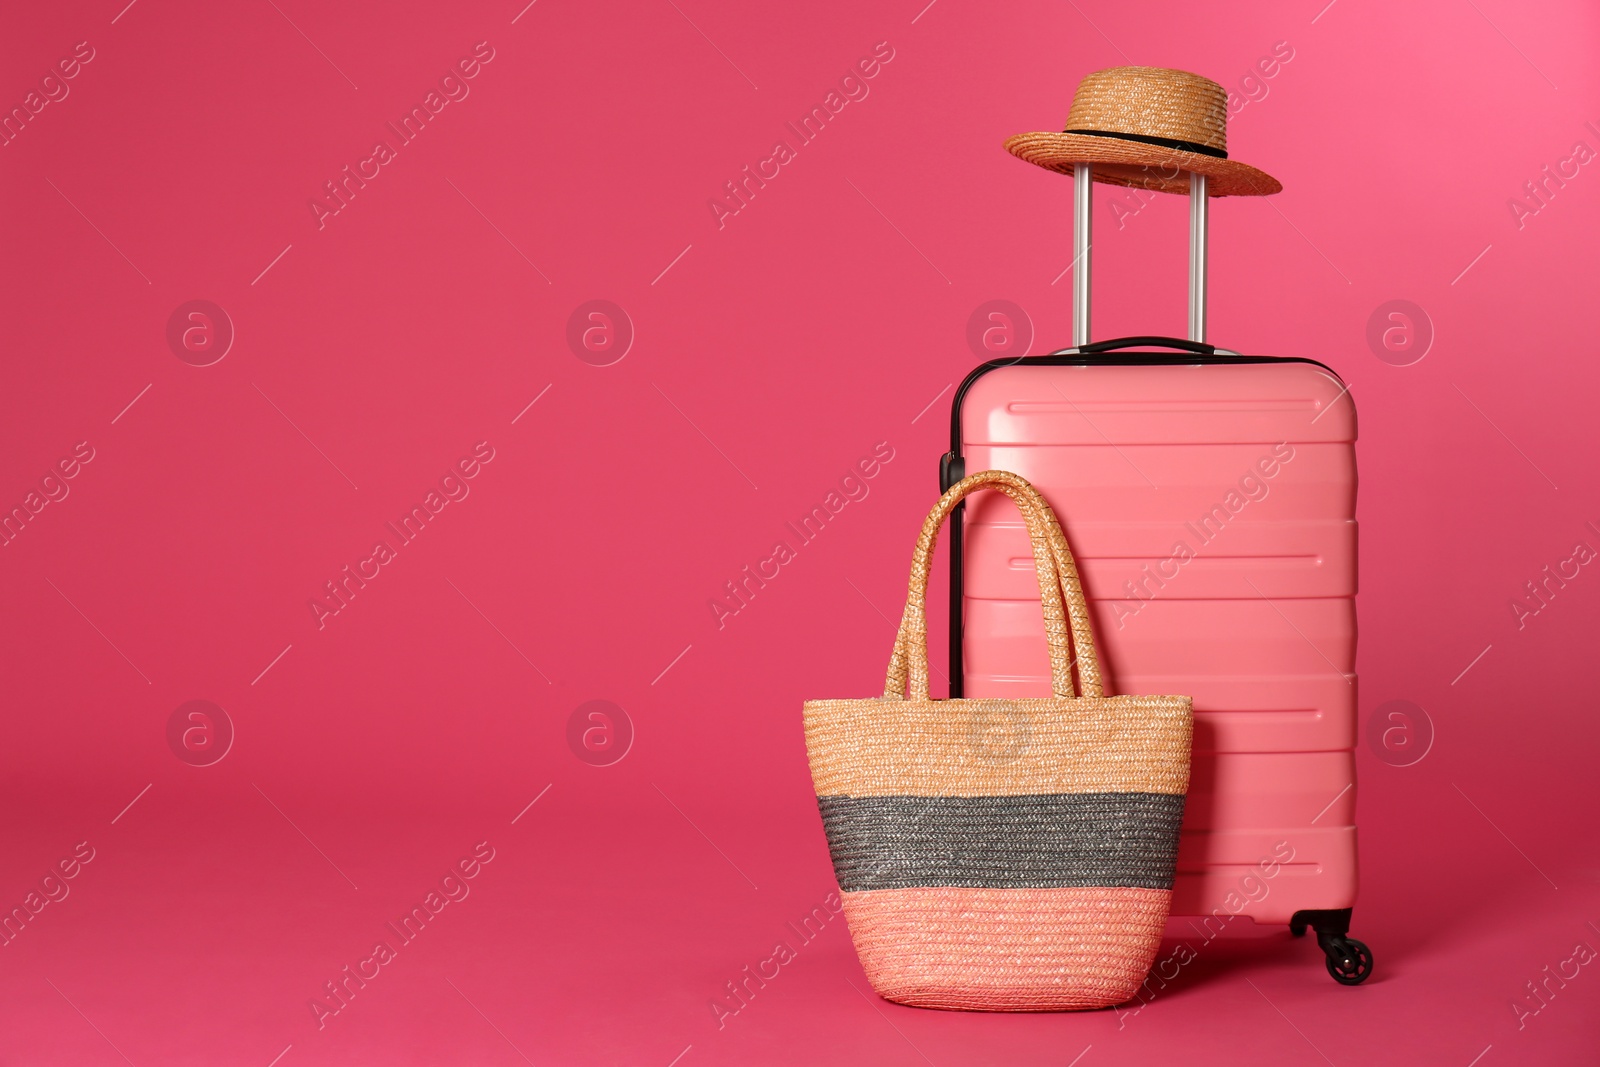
952 468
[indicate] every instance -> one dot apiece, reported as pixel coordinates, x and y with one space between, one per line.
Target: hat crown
1152 102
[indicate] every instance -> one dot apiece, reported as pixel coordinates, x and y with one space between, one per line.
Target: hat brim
1141 166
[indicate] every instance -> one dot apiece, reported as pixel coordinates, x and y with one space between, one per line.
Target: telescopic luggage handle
1082 226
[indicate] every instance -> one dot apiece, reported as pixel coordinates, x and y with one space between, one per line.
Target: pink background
770 354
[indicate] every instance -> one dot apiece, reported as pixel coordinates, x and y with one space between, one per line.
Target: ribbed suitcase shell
1259 626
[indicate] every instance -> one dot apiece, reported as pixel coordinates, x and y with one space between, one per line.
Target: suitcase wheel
1349 960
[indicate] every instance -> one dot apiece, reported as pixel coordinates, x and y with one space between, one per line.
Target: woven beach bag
1003 855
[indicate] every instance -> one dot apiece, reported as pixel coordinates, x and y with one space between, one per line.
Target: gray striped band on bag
1040 841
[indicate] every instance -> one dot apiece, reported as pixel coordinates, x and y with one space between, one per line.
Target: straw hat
1145 127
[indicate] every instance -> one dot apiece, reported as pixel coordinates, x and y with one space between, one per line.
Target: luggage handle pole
1082 220
1198 239
1083 242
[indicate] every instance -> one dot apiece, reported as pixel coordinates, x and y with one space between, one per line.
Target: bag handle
1059 588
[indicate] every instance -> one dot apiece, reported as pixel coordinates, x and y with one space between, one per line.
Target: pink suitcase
1210 500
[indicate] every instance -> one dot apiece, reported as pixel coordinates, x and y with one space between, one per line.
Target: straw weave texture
999 747
1040 841
1007 949
1154 102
